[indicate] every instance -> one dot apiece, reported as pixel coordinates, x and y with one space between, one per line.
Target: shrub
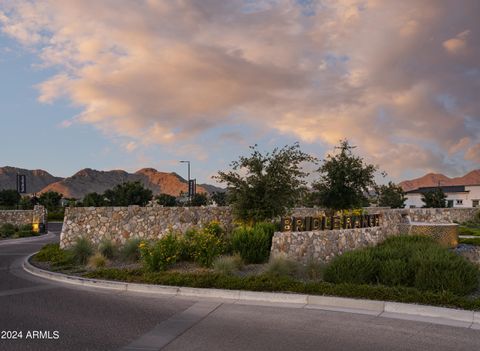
253 243
97 261
82 250
25 231
130 252
55 256
107 249
408 261
159 255
7 230
314 270
228 264
281 266
204 247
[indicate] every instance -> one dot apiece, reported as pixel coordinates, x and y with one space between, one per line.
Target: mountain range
435 179
89 180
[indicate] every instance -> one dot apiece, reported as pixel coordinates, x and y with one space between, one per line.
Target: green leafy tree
435 198
166 200
344 180
126 194
391 195
93 200
9 198
50 199
199 200
220 198
26 203
265 186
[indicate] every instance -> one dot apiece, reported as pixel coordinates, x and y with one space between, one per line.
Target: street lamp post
188 164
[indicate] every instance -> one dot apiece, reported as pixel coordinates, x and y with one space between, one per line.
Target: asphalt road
73 318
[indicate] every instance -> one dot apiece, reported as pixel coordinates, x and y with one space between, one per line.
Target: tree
391 195
126 194
199 200
26 203
50 199
9 198
344 180
265 186
220 198
93 200
435 198
166 200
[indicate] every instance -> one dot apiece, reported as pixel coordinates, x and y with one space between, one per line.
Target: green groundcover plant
410 261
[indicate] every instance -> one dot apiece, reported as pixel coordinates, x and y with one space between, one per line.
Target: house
457 196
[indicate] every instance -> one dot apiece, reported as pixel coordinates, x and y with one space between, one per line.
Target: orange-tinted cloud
399 78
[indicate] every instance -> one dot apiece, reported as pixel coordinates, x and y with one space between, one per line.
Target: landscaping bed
403 269
10 231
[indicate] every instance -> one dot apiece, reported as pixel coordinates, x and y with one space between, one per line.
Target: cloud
395 77
458 44
473 153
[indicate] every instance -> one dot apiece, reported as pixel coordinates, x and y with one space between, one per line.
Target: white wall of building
473 195
465 199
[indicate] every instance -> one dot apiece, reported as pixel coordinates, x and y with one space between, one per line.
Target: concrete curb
430 314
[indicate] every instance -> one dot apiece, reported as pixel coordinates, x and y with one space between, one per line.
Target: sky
127 84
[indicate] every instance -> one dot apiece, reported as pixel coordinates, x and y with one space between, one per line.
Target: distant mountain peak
435 179
90 180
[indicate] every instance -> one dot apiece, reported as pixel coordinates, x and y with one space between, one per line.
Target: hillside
89 180
166 183
36 179
434 179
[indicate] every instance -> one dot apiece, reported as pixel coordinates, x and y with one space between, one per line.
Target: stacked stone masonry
24 217
120 224
325 245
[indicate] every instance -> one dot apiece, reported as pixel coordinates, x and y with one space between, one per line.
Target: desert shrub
314 270
159 255
214 228
82 250
97 261
25 231
281 266
228 264
130 252
7 230
204 247
408 261
107 249
253 243
53 254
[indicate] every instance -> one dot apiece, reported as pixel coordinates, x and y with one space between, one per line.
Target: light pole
188 163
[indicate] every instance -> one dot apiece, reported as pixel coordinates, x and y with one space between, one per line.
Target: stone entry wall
326 244
23 217
120 224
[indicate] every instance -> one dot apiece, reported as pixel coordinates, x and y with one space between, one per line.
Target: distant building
457 196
